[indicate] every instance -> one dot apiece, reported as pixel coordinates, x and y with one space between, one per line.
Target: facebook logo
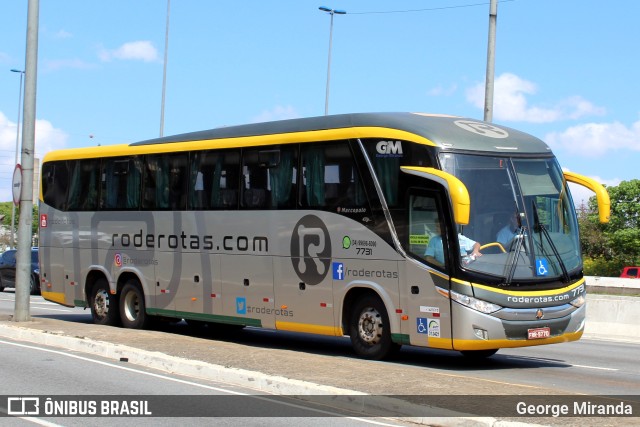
338 271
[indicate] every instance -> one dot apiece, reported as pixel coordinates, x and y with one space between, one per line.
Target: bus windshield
521 214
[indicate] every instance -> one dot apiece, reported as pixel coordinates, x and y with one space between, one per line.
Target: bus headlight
579 302
474 303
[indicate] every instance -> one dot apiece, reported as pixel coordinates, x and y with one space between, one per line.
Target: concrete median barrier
613 308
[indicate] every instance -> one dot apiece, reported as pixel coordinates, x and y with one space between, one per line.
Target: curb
250 379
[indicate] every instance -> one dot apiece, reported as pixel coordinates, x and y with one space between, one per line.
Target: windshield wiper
514 253
543 231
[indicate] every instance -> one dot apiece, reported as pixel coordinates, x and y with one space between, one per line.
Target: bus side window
165 182
330 177
214 180
83 186
121 183
426 231
54 184
269 177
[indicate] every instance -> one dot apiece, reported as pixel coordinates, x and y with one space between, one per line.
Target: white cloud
279 112
139 50
48 138
510 102
595 139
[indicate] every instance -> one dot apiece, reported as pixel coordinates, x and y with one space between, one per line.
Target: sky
566 71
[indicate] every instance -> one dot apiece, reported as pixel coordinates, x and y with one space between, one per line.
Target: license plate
538 333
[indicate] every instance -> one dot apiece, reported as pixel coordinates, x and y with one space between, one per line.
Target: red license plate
538 333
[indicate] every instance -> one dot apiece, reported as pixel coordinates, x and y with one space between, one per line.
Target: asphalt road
162 398
591 366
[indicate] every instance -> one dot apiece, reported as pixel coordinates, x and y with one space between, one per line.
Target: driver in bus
435 249
508 232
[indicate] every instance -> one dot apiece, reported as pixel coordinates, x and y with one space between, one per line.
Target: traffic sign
17 184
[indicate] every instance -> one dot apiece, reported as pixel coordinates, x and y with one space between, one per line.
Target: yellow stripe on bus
55 297
244 141
335 331
493 344
522 293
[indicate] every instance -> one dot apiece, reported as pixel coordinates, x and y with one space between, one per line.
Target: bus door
427 266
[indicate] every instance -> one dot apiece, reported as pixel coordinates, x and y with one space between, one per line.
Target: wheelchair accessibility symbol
542 267
431 327
422 325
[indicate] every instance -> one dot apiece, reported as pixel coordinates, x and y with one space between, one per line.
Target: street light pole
491 59
13 207
25 233
330 12
164 70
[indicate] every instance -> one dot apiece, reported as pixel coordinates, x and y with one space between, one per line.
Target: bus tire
132 307
370 330
33 286
104 305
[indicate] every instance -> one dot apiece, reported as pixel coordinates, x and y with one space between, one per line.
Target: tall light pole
330 12
164 69
491 59
25 233
13 207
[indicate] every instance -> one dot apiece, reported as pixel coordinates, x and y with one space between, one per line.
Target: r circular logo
481 128
310 249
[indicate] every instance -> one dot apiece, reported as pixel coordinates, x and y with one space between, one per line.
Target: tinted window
121 183
83 185
214 180
330 178
269 177
387 156
165 182
54 184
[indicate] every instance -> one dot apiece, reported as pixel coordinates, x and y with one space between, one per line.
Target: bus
388 228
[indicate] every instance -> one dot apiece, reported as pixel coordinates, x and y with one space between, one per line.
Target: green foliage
603 267
609 247
6 208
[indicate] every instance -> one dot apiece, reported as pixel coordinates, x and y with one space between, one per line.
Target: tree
609 247
5 210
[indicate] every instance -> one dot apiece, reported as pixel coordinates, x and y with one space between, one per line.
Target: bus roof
441 130
447 132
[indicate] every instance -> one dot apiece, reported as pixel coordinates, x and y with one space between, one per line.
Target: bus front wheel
132 306
369 329
104 307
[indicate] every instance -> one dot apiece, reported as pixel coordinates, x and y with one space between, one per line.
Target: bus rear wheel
104 307
369 329
132 307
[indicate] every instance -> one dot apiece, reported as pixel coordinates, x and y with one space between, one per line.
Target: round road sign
17 184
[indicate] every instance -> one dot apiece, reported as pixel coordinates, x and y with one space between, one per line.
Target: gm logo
241 305
389 149
338 271
311 249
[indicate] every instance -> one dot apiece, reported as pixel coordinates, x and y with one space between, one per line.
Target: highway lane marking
190 383
595 367
52 309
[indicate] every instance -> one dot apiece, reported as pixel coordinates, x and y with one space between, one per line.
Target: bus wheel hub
370 326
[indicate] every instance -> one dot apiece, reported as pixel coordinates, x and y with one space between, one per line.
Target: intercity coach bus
391 228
